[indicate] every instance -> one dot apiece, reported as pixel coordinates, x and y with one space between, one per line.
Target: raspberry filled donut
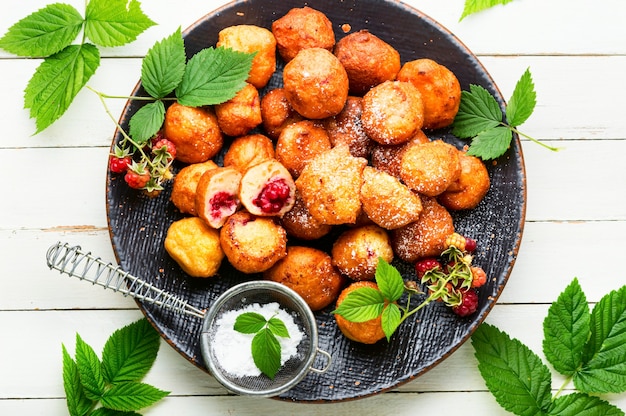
471 186
356 251
247 151
430 168
302 28
217 195
388 158
185 186
300 142
240 114
267 189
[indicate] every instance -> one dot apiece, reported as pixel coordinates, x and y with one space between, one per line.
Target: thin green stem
558 393
532 139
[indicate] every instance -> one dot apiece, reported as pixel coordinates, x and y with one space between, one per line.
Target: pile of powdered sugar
233 350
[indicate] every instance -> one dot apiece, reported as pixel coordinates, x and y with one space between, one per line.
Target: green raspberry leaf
478 111
164 66
130 352
580 404
278 328
474 6
90 370
147 121
566 330
389 281
57 81
523 101
604 355
491 144
361 305
115 22
213 76
515 375
44 32
266 352
130 396
250 323
390 319
77 402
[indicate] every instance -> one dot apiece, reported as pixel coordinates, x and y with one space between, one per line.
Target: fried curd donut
471 186
425 237
185 185
330 186
248 39
387 201
368 332
430 168
300 142
217 195
388 158
277 112
302 28
194 246
252 244
247 151
241 113
310 273
440 89
194 131
368 60
392 112
346 128
267 189
356 251
299 223
315 83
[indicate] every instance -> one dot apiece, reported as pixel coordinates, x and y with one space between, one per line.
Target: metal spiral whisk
72 261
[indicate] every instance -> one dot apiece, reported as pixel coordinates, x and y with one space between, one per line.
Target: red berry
470 244
119 164
469 303
425 265
136 180
479 277
171 148
273 197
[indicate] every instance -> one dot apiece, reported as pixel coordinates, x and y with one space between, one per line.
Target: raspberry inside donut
223 203
273 196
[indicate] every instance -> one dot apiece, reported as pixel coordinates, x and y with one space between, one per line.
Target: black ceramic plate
138 224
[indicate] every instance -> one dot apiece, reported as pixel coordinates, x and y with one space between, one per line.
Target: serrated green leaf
115 22
361 305
57 81
77 402
566 330
604 356
163 67
515 375
44 32
390 319
266 352
580 404
250 323
130 352
213 76
147 121
475 6
103 411
89 369
278 327
131 395
389 281
478 111
491 144
523 101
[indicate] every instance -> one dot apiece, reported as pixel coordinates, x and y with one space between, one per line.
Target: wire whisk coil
72 261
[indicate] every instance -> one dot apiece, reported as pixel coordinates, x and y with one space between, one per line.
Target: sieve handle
72 261
329 360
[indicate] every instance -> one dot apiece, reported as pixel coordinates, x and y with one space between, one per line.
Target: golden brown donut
392 112
471 186
277 112
299 223
247 151
368 60
357 250
252 244
315 83
248 39
241 113
368 332
346 128
388 158
194 131
425 237
302 28
440 89
430 168
194 246
300 142
310 273
217 195
185 185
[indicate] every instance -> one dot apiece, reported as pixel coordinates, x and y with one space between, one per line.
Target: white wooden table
53 189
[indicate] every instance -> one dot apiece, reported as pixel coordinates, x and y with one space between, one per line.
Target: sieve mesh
294 369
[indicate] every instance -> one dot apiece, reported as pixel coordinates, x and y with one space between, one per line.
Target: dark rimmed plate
138 224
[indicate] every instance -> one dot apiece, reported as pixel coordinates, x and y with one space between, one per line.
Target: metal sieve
72 261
